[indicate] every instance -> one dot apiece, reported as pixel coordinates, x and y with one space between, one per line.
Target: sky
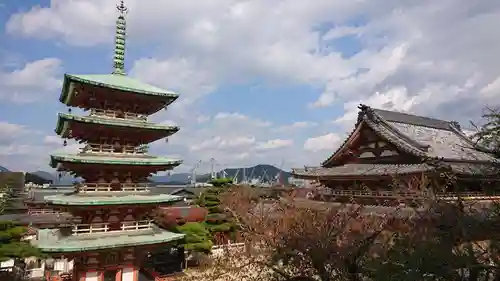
260 82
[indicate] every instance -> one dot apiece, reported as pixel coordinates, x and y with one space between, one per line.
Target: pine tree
217 222
198 238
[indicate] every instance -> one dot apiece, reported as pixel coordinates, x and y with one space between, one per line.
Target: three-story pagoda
116 232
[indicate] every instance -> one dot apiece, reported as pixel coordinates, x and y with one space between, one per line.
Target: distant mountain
43 178
45 175
34 178
64 180
266 173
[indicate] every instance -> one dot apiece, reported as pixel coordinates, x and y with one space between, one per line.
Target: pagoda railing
109 113
41 211
109 148
109 187
408 194
83 229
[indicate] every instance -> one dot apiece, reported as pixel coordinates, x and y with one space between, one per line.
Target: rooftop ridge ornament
120 35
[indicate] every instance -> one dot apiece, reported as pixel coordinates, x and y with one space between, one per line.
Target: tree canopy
11 244
198 238
296 240
11 234
488 133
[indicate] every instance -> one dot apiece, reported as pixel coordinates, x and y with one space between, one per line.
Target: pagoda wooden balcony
111 187
95 228
109 148
409 195
108 113
42 211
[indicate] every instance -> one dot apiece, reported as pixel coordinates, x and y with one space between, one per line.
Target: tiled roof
113 81
421 136
391 169
37 195
106 159
78 199
393 116
52 240
65 119
447 144
27 219
362 169
436 138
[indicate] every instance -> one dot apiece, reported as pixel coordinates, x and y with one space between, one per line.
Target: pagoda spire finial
121 30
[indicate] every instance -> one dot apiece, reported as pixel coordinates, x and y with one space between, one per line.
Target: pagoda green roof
64 118
113 81
84 199
110 160
52 241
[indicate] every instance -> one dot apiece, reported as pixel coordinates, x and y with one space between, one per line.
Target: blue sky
257 85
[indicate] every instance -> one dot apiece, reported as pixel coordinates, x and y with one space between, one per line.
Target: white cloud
402 43
53 140
274 144
234 115
9 131
393 99
326 142
295 126
202 119
224 143
32 82
183 75
237 117
492 89
413 56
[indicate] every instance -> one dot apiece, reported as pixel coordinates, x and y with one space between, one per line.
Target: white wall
92 276
128 274
63 265
7 263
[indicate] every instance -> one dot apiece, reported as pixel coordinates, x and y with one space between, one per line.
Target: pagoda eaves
104 241
79 89
84 127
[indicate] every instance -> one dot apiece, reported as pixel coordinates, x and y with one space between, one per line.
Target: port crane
235 178
279 176
193 173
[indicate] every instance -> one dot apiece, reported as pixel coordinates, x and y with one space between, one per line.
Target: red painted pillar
118 275
136 273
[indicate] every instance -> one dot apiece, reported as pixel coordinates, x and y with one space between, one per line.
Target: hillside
3 169
45 175
265 172
64 180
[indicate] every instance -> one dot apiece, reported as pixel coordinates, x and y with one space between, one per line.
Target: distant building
385 146
298 182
